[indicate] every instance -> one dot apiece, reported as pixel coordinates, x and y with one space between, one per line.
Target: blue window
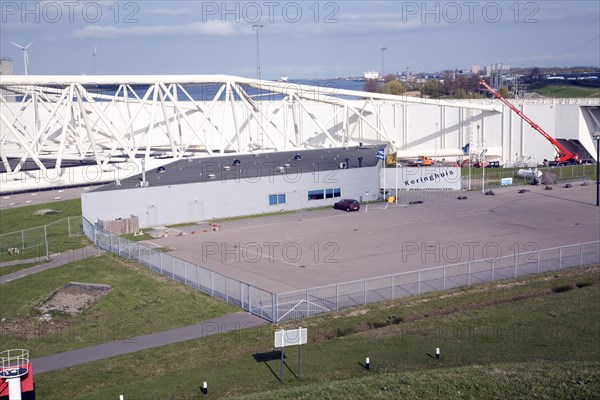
316 195
275 199
331 193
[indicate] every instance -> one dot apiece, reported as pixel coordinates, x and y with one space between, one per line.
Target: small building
198 189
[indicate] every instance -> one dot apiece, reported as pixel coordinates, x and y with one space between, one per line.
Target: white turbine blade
18 45
26 47
95 48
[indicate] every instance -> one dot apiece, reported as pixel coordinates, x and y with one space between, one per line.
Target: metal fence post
393 287
198 276
185 272
419 282
307 304
22 239
226 289
212 284
274 316
337 297
493 269
559 258
580 254
69 225
364 291
444 275
469 273
538 262
516 260
46 242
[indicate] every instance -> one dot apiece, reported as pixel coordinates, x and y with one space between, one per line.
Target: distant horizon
314 40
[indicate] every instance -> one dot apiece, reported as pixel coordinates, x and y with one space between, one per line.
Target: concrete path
227 323
55 261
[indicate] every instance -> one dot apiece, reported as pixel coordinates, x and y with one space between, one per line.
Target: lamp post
259 129
383 49
257 28
597 137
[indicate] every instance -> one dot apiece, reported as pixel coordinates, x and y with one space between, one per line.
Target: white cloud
209 28
171 12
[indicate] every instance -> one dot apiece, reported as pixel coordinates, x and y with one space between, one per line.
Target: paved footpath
55 261
227 323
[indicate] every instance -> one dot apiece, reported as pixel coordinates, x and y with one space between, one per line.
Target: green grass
20 228
488 335
538 379
216 220
15 219
140 302
567 91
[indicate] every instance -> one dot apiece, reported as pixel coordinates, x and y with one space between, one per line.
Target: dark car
347 204
493 164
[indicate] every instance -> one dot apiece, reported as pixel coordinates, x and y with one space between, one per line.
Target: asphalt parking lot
313 248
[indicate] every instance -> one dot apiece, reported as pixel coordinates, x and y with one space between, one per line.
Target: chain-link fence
288 306
42 242
475 179
315 301
250 298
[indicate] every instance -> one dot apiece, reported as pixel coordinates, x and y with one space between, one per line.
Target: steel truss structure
110 119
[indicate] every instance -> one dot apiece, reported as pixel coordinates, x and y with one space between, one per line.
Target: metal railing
250 298
335 297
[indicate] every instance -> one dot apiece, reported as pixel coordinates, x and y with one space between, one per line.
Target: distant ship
283 79
371 75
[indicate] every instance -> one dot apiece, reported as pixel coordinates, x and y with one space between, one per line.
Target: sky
299 39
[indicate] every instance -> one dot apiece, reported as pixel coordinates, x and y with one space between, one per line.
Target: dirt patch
44 211
73 298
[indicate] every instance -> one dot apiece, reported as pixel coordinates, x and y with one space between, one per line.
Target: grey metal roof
252 166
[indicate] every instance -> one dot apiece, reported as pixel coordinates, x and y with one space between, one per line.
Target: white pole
14 388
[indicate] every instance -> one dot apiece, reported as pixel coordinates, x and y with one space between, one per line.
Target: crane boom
563 155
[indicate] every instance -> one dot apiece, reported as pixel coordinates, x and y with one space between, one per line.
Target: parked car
347 204
493 164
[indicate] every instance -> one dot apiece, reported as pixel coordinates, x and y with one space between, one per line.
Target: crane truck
563 156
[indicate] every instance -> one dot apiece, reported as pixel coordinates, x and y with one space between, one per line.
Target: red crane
563 155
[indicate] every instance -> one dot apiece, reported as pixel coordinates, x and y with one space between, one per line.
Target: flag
380 154
466 148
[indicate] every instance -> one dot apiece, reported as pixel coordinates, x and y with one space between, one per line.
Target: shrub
561 288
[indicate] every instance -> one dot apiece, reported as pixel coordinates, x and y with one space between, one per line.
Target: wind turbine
94 56
25 56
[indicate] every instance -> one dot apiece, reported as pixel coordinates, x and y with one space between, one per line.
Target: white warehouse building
201 189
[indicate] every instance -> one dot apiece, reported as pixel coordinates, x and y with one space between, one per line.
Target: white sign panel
506 181
422 178
293 337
